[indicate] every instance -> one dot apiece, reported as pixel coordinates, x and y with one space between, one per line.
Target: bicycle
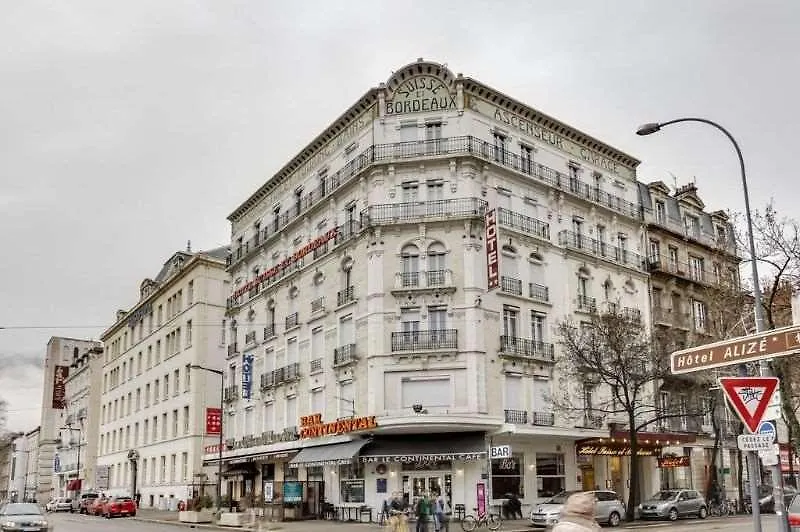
722 509
489 520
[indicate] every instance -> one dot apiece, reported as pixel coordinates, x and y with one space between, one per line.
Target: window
292 351
437 318
149 356
184 467
190 293
156 391
706 405
696 268
409 266
317 402
550 478
507 475
346 400
514 396
540 397
292 418
172 467
622 247
692 226
655 251
188 333
500 147
176 382
661 212
526 158
510 321
410 192
434 391
166 387
538 321
145 431
175 423
139 363
673 258
699 315
409 320
155 428
187 378
135 434
186 420
164 426
147 395
408 132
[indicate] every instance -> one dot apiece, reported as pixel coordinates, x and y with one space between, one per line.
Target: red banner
60 375
213 420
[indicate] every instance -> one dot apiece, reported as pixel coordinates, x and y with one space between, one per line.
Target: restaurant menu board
352 490
292 492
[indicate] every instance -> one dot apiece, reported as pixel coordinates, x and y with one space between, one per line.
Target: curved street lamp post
221 424
752 457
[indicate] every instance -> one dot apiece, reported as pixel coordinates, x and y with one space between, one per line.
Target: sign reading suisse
771 344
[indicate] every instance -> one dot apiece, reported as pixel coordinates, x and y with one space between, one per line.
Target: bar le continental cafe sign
312 426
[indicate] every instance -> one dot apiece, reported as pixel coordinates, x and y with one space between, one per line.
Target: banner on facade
247 376
669 462
213 420
492 255
60 387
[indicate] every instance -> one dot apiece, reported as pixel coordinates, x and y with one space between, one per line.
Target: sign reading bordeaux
421 93
770 344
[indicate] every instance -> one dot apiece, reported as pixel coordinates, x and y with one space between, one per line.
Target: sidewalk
171 518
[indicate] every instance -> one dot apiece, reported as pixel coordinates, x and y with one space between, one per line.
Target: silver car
672 504
608 508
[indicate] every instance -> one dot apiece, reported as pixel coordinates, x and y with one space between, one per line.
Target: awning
336 454
74 485
420 448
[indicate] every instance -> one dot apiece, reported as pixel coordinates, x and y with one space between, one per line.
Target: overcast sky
128 128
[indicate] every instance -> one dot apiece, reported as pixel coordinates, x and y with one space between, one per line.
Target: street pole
221 427
753 467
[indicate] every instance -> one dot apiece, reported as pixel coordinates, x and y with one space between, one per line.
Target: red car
120 505
794 514
95 507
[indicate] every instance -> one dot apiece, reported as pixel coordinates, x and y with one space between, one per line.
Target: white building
361 290
77 449
61 353
152 413
24 469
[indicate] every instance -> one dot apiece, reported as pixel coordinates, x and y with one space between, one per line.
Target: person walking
423 512
578 514
440 513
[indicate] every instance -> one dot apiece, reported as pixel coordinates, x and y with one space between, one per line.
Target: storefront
604 463
676 471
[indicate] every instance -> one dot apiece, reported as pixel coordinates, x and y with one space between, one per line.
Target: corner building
152 426
367 353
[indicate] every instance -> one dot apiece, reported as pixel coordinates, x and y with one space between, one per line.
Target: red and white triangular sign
749 397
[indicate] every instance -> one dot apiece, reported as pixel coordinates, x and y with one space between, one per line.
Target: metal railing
318 304
510 285
516 416
392 213
544 419
315 365
345 296
523 347
598 248
423 279
586 303
269 331
344 354
250 337
539 292
524 224
233 349
292 320
231 393
425 340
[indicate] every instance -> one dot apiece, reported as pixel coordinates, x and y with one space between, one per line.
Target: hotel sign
614 450
288 261
669 462
492 256
547 136
313 427
420 94
60 375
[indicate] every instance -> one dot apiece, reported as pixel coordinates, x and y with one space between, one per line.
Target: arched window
409 265
436 264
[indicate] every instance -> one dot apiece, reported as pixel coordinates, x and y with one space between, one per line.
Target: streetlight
221 424
654 127
78 466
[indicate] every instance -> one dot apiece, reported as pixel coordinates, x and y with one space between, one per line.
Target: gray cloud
128 128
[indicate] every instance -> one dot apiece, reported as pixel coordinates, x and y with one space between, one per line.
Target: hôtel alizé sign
313 427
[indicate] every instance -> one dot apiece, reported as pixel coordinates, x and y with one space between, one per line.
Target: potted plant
197 510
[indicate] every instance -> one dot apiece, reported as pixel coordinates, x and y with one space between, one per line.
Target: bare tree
613 357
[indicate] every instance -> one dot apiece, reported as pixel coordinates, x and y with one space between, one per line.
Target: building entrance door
418 484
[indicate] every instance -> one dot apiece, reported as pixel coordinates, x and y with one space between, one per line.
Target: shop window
508 476
290 473
315 473
550 478
351 483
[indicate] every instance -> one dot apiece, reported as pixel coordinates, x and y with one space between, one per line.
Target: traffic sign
771 344
770 457
768 428
775 408
500 451
749 397
754 442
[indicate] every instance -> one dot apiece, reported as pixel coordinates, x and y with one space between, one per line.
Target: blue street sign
768 427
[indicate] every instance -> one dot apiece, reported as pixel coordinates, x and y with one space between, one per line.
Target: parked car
95 507
119 505
609 508
672 504
84 502
766 501
793 512
23 516
59 504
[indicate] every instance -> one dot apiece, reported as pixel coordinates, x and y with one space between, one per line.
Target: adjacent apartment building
24 469
77 448
152 404
61 353
396 288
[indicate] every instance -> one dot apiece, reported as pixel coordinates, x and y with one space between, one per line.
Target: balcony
412 212
250 338
686 271
525 348
593 421
233 349
539 292
425 340
544 419
288 373
315 366
318 305
510 285
345 296
292 320
519 417
267 380
344 355
585 304
231 393
632 314
523 224
602 250
430 280
269 331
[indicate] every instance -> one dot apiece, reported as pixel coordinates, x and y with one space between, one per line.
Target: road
64 522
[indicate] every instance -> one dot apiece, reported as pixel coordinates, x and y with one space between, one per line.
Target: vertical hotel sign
60 387
247 376
492 256
213 420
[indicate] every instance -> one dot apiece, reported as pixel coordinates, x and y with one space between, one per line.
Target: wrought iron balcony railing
539 292
392 213
231 393
510 285
233 349
345 296
292 320
516 416
546 419
523 224
523 347
344 354
269 331
425 340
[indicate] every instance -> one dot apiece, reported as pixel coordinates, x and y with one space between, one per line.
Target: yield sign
749 397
